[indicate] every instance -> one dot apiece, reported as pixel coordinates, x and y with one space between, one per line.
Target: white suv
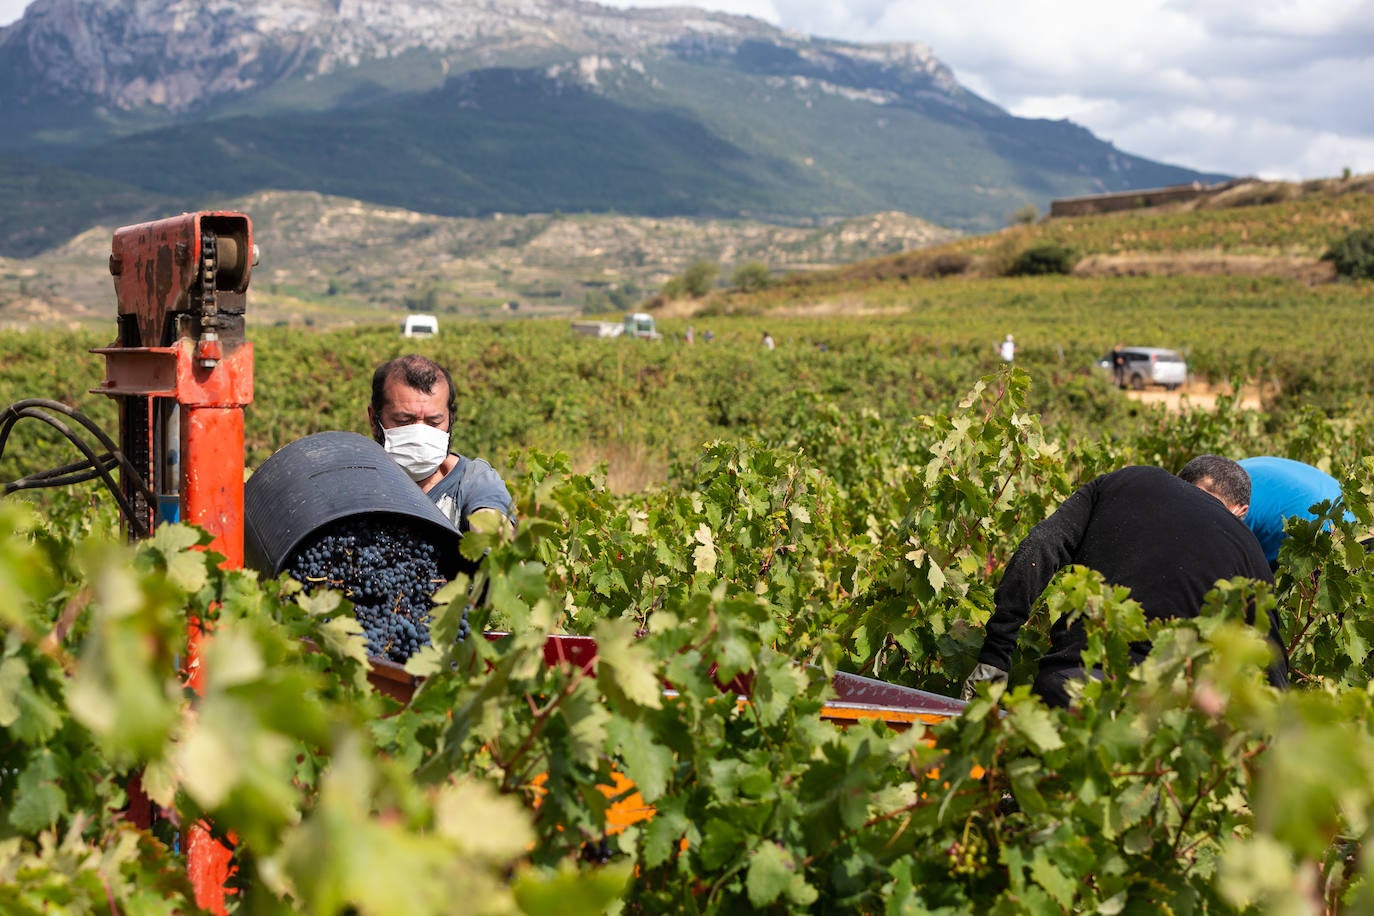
1142 366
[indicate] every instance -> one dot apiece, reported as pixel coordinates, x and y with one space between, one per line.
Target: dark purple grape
388 571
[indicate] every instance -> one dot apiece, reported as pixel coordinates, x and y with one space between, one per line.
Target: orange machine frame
182 372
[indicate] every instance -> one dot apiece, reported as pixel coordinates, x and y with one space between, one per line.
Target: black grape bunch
388 571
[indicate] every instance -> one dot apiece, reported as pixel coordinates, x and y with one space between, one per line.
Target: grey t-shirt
472 484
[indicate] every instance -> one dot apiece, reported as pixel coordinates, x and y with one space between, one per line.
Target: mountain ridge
469 108
273 39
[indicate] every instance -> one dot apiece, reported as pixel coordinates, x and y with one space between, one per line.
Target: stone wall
1136 200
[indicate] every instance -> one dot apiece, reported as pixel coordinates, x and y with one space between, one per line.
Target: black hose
95 466
77 472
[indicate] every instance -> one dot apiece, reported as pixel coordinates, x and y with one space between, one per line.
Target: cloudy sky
1271 88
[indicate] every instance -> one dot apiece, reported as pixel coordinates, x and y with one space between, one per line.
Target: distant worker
1008 349
1167 538
411 415
691 336
1281 488
1119 365
767 341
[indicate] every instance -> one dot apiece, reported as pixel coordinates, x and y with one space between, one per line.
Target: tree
1354 255
674 288
700 278
751 276
1047 258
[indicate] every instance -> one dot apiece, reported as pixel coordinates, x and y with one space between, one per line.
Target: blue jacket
1282 488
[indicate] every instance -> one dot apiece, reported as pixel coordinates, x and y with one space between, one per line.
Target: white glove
982 673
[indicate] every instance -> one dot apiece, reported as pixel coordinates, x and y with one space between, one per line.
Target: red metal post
212 402
181 353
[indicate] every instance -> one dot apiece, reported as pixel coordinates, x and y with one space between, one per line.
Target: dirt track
1196 395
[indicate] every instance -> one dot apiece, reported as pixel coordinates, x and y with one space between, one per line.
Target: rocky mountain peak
177 54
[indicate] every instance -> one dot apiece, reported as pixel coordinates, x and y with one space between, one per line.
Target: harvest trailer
636 324
181 370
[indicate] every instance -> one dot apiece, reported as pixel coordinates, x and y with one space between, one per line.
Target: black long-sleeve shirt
1164 538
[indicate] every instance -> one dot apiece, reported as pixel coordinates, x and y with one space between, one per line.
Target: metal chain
209 314
209 265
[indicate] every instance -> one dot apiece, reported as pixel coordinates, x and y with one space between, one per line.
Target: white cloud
1247 87
11 10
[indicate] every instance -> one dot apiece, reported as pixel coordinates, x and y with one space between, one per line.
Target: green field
846 501
902 349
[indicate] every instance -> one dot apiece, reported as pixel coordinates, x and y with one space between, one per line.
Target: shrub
1354 255
947 264
752 276
1047 258
700 278
1023 216
673 288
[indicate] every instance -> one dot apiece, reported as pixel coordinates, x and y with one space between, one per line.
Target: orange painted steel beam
181 341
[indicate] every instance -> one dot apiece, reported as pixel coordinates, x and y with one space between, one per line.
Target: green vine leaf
626 668
39 802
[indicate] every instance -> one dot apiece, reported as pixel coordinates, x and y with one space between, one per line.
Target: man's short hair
1222 477
416 371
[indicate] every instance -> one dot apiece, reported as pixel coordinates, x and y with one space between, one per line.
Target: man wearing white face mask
411 414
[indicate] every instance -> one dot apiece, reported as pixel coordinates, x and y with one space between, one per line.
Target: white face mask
419 448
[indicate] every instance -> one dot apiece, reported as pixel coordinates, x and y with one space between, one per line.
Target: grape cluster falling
388 571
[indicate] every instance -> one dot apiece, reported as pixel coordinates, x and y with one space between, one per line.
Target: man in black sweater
1168 539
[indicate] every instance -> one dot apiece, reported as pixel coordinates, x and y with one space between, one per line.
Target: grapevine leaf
648 763
1025 775
187 571
175 538
117 696
771 869
14 683
211 761
1036 725
936 575
721 843
39 801
37 718
1135 802
1047 875
1137 841
664 832
775 690
587 719
343 636
116 590
325 602
471 810
231 658
569 892
626 667
426 661
705 555
160 782
1255 868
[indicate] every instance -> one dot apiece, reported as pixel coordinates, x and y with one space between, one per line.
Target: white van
1142 366
420 326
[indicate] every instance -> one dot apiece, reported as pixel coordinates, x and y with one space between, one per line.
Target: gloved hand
981 673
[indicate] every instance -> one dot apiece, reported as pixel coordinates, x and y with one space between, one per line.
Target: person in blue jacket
1281 488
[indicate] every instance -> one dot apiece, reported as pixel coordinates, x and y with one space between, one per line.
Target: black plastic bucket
321 479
